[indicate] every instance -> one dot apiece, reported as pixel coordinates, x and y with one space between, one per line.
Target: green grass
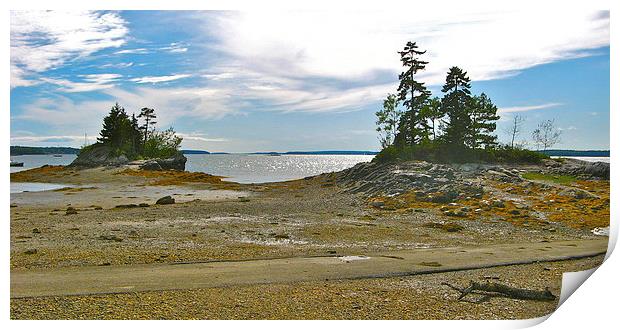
555 178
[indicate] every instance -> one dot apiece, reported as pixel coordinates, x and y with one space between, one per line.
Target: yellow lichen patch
585 213
470 208
598 187
169 178
39 173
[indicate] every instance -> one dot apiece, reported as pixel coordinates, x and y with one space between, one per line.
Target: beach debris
36 231
125 206
71 210
243 199
31 251
165 200
430 264
490 289
110 238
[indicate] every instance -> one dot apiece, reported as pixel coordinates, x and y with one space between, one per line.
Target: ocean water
246 168
242 168
34 161
18 187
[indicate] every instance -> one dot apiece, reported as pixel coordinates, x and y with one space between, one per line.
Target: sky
297 80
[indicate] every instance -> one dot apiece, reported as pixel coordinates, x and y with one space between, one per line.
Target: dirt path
138 278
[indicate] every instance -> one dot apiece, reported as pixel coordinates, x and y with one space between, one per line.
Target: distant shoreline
23 150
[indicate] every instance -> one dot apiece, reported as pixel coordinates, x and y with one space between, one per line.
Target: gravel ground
297 218
413 297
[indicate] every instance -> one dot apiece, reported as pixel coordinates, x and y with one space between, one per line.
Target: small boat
17 164
56 155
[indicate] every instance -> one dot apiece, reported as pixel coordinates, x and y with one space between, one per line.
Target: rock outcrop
98 155
101 155
435 182
580 168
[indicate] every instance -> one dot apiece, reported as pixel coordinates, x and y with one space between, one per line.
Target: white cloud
118 65
175 47
76 117
200 137
528 107
354 44
219 76
91 82
133 51
158 79
42 40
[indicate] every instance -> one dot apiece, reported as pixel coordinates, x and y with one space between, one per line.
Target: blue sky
277 81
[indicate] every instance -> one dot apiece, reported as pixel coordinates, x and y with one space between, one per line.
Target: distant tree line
127 135
456 126
21 150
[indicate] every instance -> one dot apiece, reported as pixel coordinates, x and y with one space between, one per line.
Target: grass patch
555 178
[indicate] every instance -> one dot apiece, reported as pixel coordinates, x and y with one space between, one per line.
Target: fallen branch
500 290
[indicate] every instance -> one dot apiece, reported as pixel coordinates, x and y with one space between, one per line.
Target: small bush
163 144
504 154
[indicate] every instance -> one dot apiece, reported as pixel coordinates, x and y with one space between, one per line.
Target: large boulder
98 155
165 200
174 163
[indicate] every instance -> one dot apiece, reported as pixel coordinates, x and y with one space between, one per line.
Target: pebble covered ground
297 218
414 297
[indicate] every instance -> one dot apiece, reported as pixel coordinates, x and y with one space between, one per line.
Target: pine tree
148 115
482 114
113 126
413 128
136 135
455 105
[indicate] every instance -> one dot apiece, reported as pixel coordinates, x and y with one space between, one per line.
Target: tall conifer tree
483 114
413 128
455 104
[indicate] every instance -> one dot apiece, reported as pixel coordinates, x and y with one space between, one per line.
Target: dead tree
488 290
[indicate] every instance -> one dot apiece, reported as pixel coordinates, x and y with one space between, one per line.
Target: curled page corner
571 281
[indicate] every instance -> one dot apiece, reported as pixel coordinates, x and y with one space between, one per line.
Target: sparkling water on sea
244 168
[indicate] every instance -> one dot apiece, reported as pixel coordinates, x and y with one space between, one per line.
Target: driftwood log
488 290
